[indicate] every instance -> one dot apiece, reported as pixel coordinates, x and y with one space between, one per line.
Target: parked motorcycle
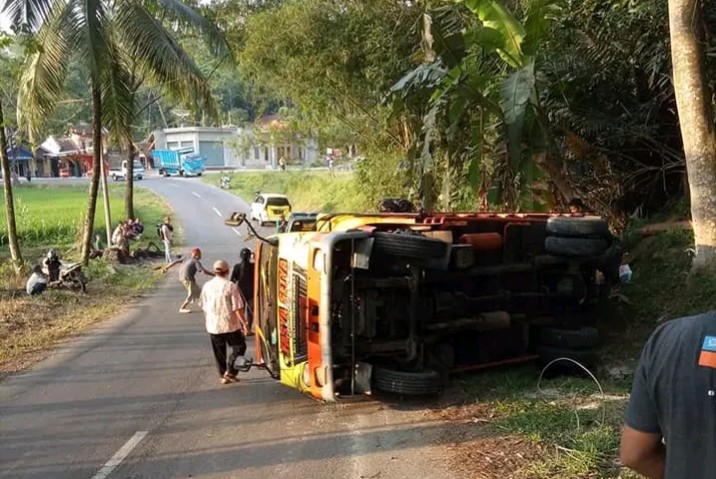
70 275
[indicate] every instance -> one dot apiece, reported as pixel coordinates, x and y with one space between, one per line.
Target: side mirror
236 219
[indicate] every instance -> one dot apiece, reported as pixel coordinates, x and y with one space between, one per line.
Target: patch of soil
498 457
473 450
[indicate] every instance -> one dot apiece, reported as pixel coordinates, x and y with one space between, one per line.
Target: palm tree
693 100
9 203
107 37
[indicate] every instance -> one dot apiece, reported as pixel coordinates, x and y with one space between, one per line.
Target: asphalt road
139 397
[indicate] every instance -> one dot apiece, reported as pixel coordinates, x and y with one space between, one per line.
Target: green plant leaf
516 92
540 15
494 15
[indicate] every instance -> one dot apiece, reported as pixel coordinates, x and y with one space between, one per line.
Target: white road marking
236 231
217 211
196 194
123 452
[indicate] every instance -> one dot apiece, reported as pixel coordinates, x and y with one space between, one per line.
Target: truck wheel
575 247
586 357
407 383
409 246
581 338
578 227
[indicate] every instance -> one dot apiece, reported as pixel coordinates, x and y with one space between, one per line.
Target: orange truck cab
396 302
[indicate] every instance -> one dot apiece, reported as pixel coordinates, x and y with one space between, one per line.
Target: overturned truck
396 302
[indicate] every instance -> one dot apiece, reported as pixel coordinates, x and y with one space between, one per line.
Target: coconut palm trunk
96 169
693 100
15 253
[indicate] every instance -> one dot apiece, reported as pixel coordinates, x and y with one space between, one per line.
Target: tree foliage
333 61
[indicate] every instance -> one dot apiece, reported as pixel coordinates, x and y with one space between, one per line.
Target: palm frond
27 14
45 70
160 59
92 19
118 86
176 10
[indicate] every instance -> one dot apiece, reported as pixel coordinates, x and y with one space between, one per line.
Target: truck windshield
277 201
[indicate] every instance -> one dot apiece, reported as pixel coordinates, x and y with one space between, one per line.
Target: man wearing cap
222 305
187 275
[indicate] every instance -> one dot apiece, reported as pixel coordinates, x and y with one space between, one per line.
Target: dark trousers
220 342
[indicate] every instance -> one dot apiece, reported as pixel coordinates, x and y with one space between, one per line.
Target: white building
234 147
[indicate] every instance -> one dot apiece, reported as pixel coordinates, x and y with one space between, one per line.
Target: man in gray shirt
187 275
670 427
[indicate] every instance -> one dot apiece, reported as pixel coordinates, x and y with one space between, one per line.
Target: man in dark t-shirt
670 427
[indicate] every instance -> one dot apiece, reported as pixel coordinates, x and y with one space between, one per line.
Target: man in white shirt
223 311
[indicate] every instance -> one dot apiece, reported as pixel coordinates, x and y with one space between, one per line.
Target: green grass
576 427
307 190
52 215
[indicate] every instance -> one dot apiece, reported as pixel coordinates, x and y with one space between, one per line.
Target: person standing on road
166 233
242 275
670 430
221 302
187 276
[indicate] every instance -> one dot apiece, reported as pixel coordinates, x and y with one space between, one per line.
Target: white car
269 207
137 172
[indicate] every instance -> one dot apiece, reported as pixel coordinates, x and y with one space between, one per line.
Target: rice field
52 215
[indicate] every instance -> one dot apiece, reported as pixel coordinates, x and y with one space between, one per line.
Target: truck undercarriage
458 293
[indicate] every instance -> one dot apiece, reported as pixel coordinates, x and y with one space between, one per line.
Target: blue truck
182 162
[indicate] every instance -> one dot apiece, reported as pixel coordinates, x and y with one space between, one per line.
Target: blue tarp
21 153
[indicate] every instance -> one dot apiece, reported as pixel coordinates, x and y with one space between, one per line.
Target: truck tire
581 338
417 383
578 227
575 247
586 357
409 246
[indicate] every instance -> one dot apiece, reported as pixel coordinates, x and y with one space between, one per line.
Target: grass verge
307 190
30 325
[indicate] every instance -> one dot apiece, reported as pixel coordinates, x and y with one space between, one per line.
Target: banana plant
478 89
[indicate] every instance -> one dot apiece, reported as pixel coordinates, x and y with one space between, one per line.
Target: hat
195 251
221 266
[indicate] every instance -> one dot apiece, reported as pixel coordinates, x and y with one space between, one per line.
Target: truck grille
300 346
